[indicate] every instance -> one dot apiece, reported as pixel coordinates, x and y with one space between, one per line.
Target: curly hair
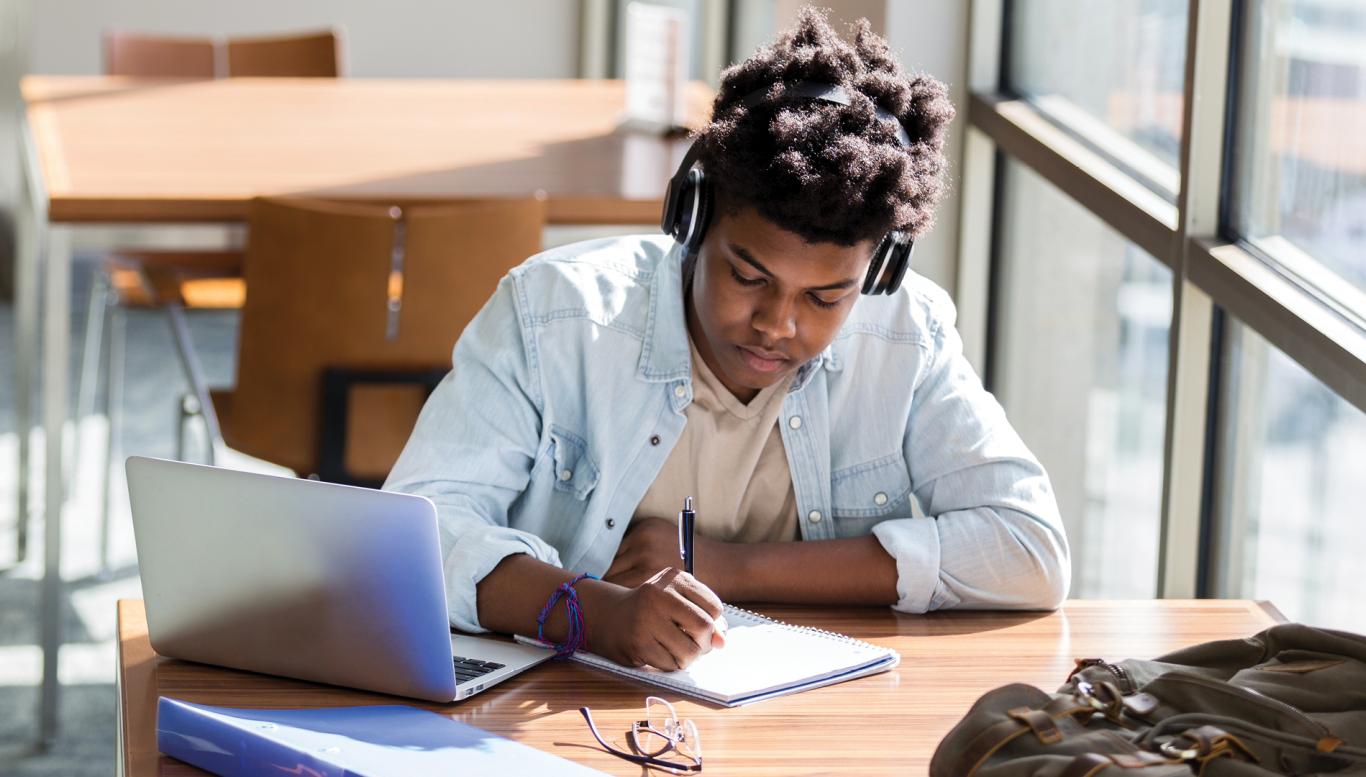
830 173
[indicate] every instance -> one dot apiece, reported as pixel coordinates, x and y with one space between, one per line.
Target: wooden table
101 150
121 150
884 724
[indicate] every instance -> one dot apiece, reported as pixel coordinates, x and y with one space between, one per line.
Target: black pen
685 522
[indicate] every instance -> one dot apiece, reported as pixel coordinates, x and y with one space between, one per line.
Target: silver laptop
303 579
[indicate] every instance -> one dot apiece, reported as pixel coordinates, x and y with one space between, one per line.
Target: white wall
382 38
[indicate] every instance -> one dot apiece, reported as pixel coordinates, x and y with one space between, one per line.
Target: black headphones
688 201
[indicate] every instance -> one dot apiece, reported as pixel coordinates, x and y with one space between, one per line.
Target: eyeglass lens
690 744
666 732
661 722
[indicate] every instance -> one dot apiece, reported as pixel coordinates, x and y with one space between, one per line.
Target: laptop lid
318 581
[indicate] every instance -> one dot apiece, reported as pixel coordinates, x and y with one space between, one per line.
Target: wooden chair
350 316
302 55
202 279
130 54
151 56
312 55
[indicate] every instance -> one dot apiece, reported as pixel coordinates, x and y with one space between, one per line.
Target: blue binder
376 741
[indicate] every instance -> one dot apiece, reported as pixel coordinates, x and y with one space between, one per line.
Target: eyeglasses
660 733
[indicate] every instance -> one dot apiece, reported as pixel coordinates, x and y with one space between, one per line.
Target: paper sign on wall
656 66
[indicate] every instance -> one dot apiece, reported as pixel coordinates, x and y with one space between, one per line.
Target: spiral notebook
763 659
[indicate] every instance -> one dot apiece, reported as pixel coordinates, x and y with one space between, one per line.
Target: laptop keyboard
467 669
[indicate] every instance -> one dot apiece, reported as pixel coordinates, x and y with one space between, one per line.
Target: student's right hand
665 622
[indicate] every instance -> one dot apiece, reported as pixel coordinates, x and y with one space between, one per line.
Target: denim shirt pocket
866 493
574 470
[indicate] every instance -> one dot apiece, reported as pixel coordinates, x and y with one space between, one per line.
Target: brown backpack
1290 700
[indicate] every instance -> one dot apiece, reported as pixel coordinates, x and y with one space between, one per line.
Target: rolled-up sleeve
992 536
472 450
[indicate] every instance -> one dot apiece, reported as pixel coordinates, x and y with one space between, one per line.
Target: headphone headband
830 93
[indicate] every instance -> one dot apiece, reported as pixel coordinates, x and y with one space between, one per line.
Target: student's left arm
817 572
993 538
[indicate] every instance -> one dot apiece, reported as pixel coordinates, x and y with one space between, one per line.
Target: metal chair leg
113 411
183 413
194 375
87 382
30 248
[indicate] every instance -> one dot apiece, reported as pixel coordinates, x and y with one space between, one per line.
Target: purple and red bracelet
577 634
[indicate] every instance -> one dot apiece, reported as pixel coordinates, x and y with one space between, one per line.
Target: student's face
764 301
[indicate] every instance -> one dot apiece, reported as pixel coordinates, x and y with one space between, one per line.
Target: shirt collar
665 356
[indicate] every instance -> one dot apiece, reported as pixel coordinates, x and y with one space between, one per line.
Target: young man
605 381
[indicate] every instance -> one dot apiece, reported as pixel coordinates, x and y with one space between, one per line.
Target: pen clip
685 528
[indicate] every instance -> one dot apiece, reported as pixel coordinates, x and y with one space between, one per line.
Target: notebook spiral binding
844 638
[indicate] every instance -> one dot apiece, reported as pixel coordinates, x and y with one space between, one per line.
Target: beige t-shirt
730 460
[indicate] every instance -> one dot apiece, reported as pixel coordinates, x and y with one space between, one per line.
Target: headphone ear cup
875 265
890 262
901 262
695 211
669 219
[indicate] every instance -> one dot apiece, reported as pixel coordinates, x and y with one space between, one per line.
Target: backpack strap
982 746
1091 764
1043 722
1044 727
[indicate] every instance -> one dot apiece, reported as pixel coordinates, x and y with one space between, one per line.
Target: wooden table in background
136 150
884 724
108 150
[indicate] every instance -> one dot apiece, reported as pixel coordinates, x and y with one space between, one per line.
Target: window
1254 280
1290 488
1111 71
1081 368
1300 155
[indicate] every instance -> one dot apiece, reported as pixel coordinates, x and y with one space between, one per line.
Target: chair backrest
310 55
151 56
339 285
304 55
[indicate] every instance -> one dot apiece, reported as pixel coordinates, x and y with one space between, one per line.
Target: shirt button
611 523
879 499
814 516
795 422
566 474
680 391
654 439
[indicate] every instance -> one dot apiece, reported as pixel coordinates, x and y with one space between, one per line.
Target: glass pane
1111 71
1080 364
1300 153
1290 489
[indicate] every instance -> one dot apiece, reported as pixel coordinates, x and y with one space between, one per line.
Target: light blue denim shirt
567 395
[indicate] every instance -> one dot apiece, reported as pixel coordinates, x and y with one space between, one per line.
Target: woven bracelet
576 636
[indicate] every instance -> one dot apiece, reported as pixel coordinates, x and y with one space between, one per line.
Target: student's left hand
651 545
